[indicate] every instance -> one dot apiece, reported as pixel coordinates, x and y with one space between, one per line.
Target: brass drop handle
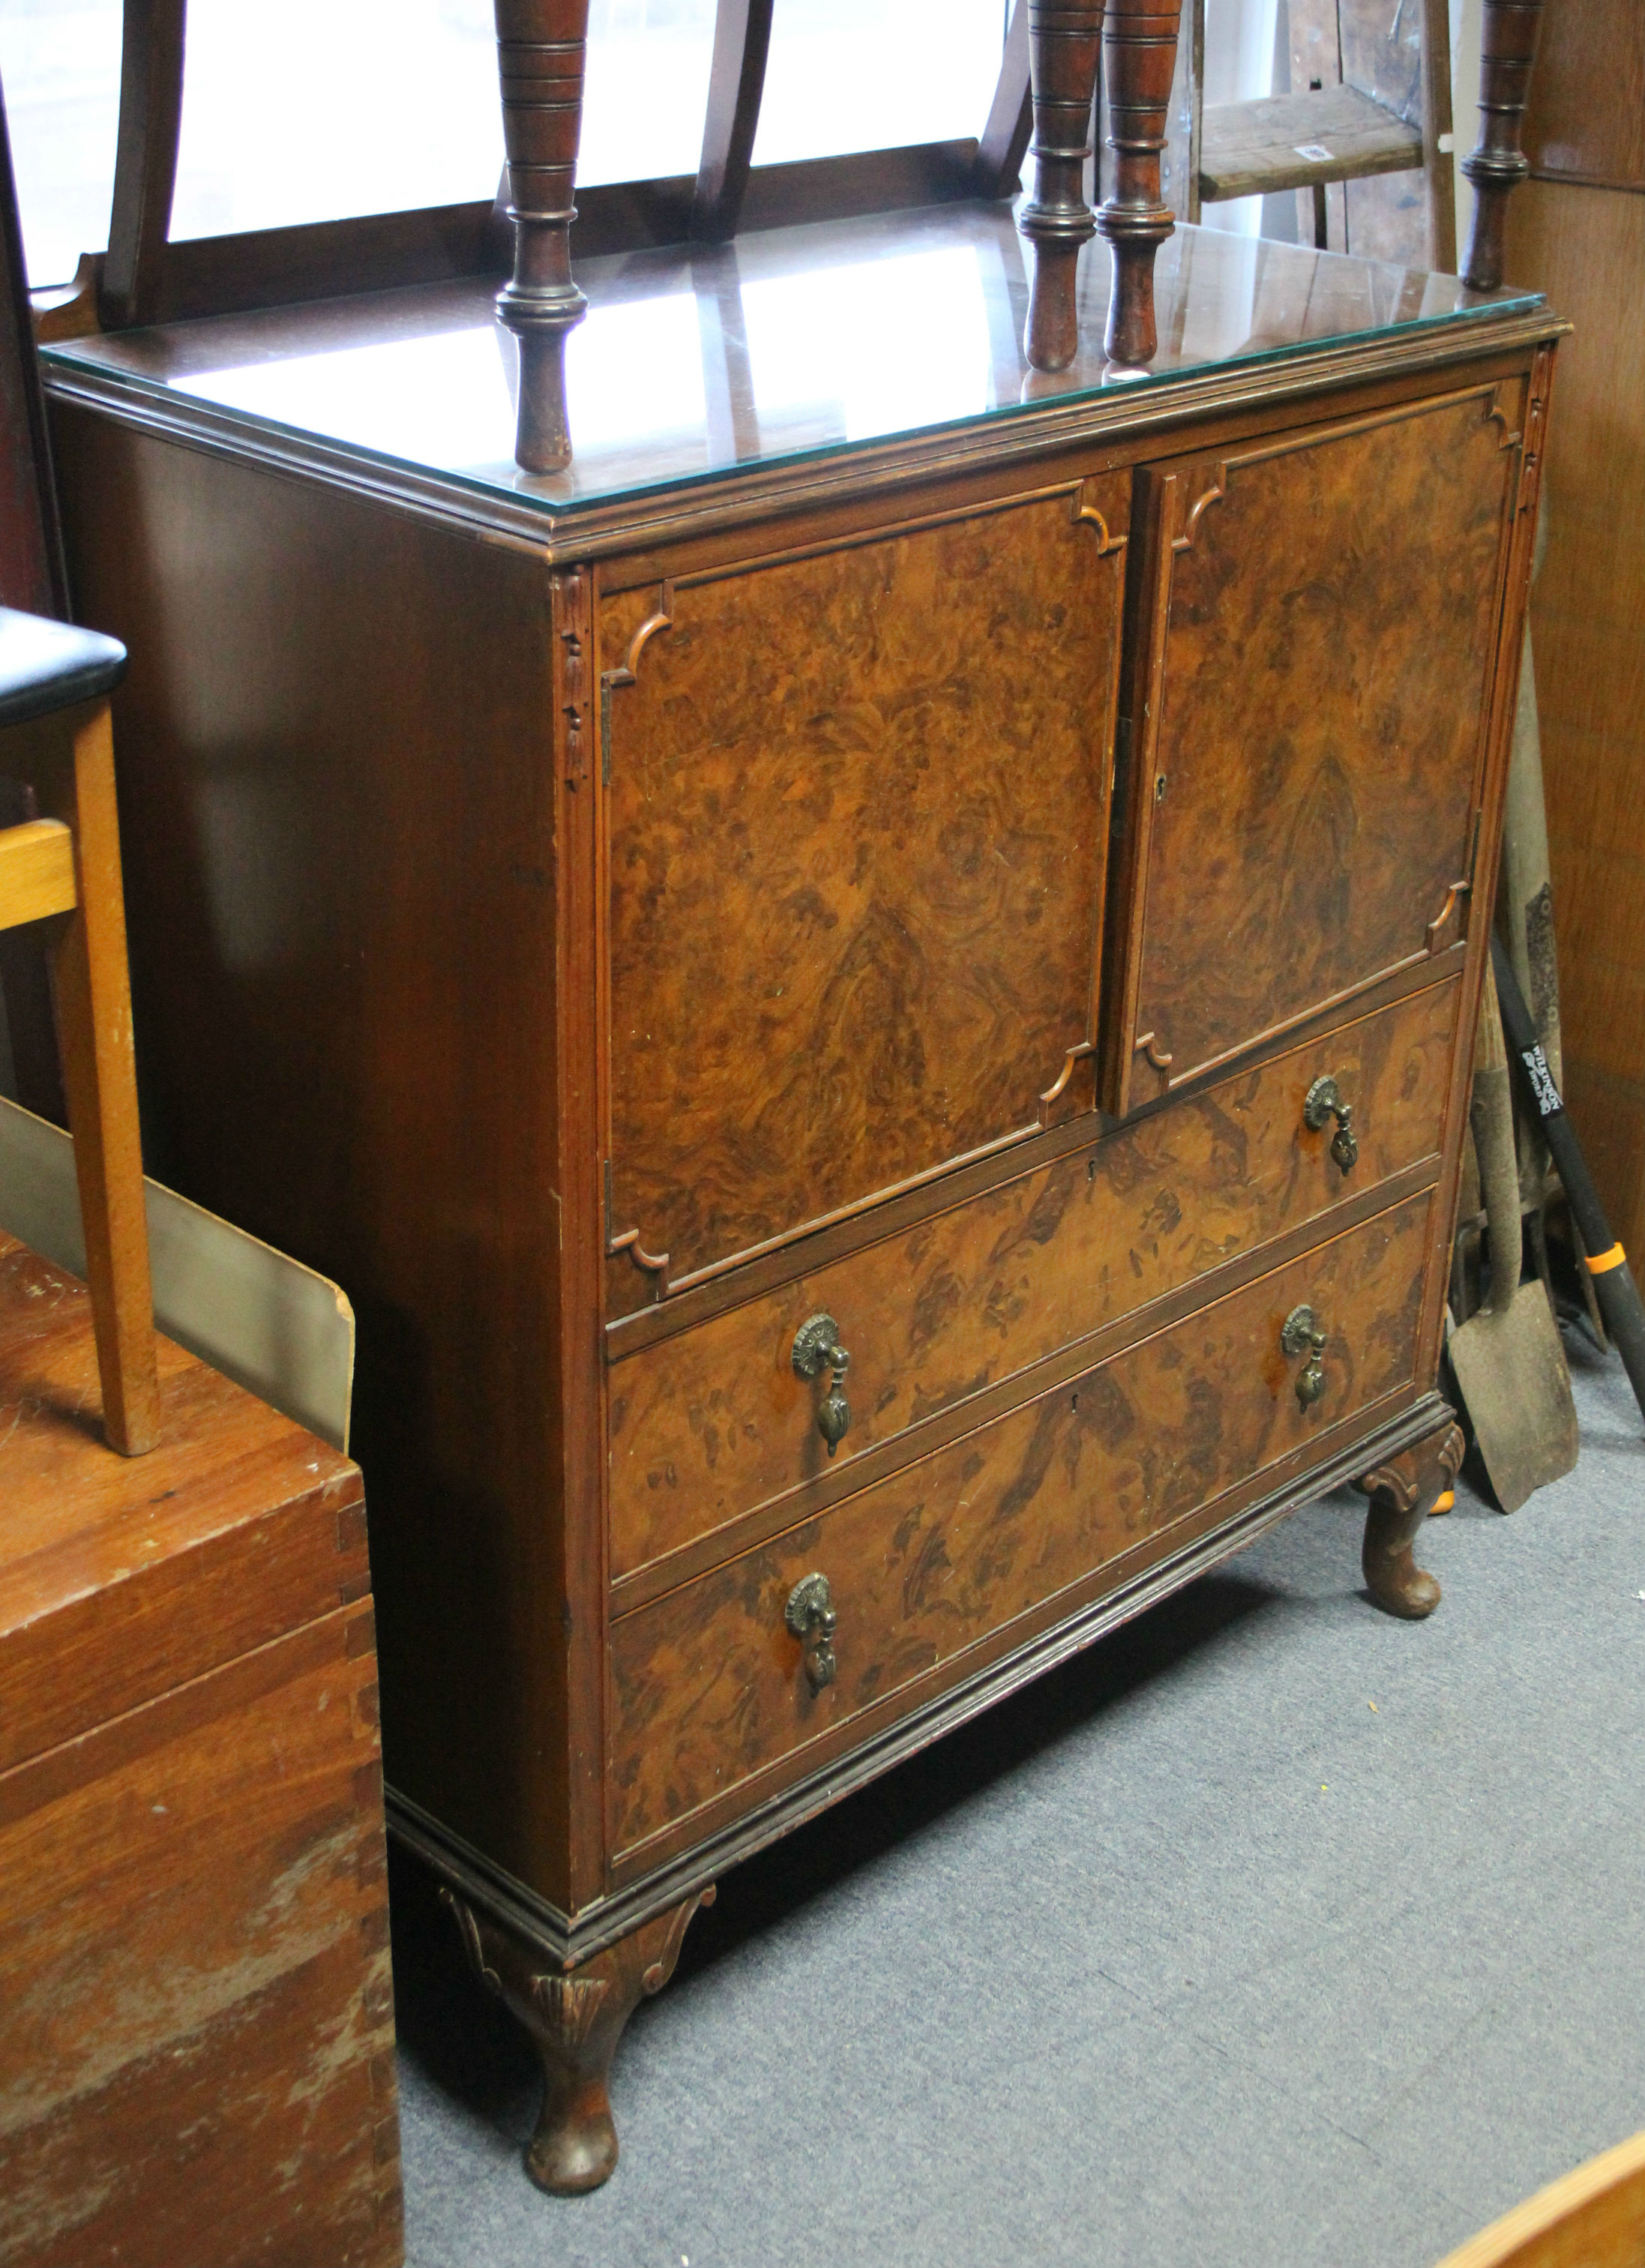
817 1342
810 1616
1302 1334
1324 1102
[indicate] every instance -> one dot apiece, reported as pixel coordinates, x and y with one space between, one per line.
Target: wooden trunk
1007 893
194 1992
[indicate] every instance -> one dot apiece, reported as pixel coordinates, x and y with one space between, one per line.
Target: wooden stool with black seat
196 2001
65 867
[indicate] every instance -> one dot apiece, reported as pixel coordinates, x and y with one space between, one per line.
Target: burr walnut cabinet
867 989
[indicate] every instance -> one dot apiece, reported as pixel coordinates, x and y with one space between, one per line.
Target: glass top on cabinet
694 363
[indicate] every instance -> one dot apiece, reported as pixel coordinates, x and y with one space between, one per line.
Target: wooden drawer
710 1423
709 1689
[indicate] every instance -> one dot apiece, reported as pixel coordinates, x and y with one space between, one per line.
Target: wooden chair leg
100 1081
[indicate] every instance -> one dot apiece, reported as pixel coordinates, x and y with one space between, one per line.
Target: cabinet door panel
857 828
1312 699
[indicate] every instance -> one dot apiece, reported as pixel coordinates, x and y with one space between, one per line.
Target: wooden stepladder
1374 98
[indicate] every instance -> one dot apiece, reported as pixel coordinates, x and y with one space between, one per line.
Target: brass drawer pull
810 1616
1302 1334
1324 1102
817 1343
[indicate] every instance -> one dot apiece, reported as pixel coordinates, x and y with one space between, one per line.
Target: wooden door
1310 689
857 820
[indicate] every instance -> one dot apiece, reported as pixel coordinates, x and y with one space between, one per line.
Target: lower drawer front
713 1421
708 1685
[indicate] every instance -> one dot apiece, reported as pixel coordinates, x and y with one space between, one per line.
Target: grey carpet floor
1270 1931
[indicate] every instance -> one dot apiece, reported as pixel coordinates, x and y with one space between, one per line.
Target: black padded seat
46 665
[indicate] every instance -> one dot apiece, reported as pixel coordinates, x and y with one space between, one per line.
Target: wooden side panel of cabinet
343 821
708 1686
857 822
1317 632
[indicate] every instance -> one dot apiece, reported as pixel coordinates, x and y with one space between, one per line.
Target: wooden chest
196 2024
868 992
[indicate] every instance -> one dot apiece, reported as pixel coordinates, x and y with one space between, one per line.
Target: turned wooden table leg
1063 42
1496 168
540 46
576 2019
1139 62
1403 1492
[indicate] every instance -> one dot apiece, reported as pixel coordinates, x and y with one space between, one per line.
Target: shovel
1525 924
1507 1359
1607 1264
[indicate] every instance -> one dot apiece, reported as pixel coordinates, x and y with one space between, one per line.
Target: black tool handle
1613 1283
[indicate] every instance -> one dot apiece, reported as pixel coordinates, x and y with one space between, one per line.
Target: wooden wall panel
1586 120
1586 247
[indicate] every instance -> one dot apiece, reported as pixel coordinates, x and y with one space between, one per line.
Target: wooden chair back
1594 2218
64 868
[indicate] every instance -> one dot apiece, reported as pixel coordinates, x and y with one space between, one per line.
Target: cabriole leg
1403 1492
576 2019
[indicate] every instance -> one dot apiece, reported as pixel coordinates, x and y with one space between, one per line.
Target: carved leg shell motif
576 2021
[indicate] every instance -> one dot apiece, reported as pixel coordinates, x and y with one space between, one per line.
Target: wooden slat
1594 2216
1006 137
1252 148
36 871
145 160
742 38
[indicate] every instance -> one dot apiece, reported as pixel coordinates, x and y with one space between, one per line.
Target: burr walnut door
856 841
1310 695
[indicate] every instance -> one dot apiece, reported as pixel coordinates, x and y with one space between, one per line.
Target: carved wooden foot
576 2019
1403 1492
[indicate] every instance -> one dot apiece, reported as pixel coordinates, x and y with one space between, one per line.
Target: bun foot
575 2019
1394 1579
1403 1492
575 2146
